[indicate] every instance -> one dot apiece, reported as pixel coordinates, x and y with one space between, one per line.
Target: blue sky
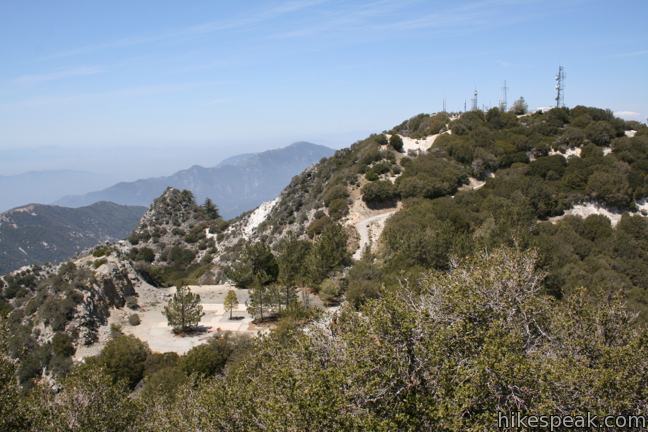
108 85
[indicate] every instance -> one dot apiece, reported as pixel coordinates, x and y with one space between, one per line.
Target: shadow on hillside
195 331
374 205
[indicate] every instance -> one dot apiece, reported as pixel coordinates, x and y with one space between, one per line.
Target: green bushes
600 133
611 188
317 226
549 168
381 139
335 198
430 177
330 292
328 253
255 264
371 175
62 345
98 263
396 142
100 251
422 125
123 358
379 193
57 312
134 320
210 359
338 208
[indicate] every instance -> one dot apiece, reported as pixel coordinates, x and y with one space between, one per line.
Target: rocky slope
237 184
37 233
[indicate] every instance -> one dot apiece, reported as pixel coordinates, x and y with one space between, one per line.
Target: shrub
550 167
318 225
123 358
600 133
145 254
328 253
334 193
157 361
180 257
102 250
57 312
381 167
131 302
62 345
396 142
98 263
134 320
371 175
329 292
164 384
520 107
381 139
338 208
209 359
379 193
610 187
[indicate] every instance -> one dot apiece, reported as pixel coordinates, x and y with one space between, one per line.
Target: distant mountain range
38 233
236 185
47 186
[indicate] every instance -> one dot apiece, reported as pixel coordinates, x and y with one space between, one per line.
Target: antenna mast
444 104
504 101
475 106
560 87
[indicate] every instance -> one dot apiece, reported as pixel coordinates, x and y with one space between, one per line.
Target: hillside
424 278
237 184
37 233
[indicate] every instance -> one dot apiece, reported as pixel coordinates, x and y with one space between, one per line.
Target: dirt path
370 229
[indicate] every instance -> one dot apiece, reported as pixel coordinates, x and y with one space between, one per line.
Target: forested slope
486 292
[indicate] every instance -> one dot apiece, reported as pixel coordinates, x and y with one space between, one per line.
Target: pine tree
258 300
328 253
291 262
231 301
520 106
255 263
211 210
184 310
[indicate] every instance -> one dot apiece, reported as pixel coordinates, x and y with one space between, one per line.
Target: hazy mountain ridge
46 186
38 233
237 184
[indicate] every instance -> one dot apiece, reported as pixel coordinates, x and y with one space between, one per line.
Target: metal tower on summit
560 87
503 105
475 105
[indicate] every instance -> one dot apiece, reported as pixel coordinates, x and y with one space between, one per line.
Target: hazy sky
106 85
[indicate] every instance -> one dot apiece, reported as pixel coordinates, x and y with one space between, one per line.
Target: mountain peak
236 185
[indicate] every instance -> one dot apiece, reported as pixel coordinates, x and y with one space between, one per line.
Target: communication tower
504 101
475 105
560 87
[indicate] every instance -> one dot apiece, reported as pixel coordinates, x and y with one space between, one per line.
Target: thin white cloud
628 115
57 75
195 30
632 53
388 16
124 93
